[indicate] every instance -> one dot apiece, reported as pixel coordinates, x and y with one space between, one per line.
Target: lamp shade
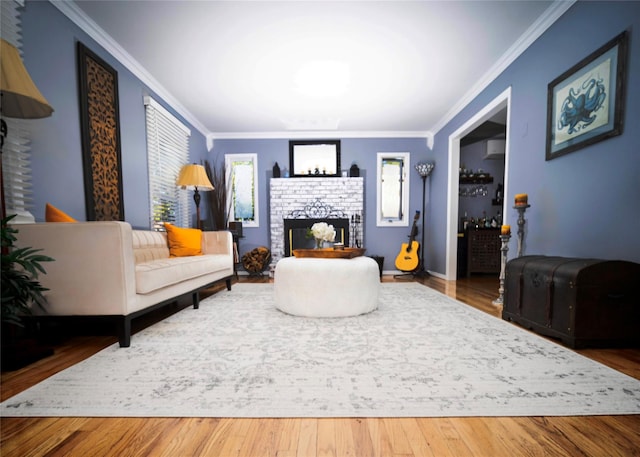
20 97
425 169
194 176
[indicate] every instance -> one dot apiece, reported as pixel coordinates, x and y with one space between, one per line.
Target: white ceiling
264 68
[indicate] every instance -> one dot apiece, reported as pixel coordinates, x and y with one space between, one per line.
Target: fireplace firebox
295 233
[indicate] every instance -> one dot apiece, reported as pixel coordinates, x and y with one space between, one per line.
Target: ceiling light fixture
319 123
322 78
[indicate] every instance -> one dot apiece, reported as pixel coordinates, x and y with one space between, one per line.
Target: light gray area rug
420 354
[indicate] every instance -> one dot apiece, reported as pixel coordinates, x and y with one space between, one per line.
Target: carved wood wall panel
100 118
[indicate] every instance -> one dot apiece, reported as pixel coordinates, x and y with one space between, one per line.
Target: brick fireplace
308 198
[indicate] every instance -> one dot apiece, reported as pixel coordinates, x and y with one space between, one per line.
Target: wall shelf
476 180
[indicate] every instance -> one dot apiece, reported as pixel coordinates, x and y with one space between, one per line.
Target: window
242 176
167 152
16 151
392 204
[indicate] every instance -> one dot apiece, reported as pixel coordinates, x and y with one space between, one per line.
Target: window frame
230 167
403 219
167 151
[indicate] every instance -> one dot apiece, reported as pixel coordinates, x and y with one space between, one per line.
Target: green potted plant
20 289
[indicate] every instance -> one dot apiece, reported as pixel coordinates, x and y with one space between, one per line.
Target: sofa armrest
93 272
220 242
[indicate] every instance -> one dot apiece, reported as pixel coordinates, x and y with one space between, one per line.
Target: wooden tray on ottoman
329 253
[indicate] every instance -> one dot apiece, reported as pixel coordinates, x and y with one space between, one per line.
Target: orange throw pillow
53 214
183 241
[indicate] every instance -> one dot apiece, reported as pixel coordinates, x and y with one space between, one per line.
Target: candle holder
521 221
503 267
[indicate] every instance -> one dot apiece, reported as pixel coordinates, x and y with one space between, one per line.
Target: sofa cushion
53 214
156 274
183 241
149 245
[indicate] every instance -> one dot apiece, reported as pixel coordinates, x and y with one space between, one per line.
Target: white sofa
109 270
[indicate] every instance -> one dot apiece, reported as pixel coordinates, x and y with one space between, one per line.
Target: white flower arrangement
323 232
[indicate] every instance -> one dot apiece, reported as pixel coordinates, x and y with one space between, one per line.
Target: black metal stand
424 169
421 272
237 261
414 273
196 199
411 274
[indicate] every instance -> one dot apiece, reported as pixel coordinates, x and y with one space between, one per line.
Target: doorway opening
498 110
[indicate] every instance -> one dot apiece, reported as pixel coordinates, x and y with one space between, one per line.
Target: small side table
236 251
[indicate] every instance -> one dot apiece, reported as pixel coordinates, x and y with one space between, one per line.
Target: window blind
167 152
16 151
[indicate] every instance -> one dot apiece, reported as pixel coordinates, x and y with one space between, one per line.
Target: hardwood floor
306 437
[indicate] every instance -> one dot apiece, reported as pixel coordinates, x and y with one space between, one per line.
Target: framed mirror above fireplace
314 158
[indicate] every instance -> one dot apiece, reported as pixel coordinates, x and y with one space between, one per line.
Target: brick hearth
288 195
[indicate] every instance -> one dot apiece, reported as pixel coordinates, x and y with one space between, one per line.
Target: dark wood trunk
584 302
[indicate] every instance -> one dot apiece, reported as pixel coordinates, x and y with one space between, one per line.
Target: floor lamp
193 176
424 169
19 97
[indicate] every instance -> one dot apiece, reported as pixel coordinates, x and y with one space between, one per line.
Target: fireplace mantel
290 195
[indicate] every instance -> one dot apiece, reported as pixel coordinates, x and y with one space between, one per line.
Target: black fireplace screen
295 233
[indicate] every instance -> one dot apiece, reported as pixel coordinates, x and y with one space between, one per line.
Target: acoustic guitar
407 259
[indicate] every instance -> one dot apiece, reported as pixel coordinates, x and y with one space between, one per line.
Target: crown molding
548 18
78 17
428 136
321 134
91 28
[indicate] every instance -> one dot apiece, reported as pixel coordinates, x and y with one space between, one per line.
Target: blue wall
583 204
385 242
50 57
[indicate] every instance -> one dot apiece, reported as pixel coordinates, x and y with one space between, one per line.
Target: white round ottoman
313 287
